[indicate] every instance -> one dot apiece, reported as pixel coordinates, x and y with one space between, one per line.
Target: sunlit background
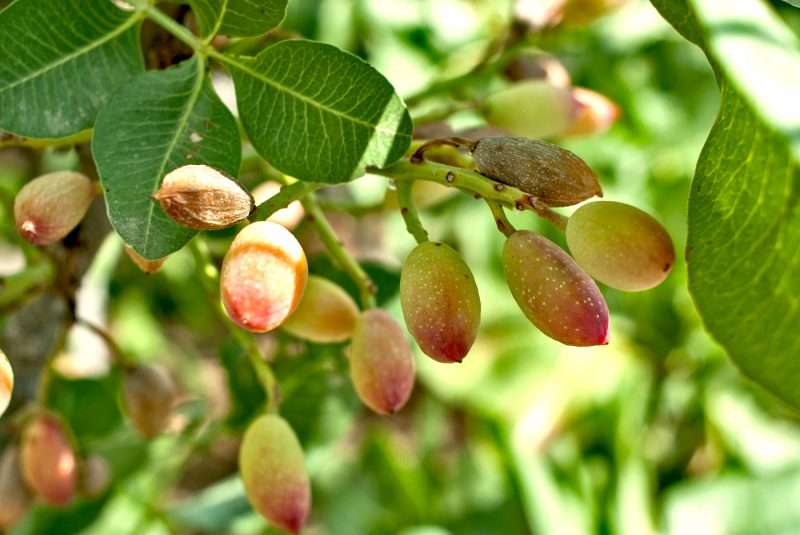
655 433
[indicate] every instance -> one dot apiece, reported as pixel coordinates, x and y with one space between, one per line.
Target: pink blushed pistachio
49 465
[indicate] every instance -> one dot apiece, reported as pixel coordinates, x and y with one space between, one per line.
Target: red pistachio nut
273 470
620 245
440 301
263 277
47 208
326 313
49 465
381 362
555 294
6 382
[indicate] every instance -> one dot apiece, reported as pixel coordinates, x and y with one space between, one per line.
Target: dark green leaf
238 18
160 121
61 61
744 222
318 113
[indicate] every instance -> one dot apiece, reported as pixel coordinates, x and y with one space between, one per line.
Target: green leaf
61 61
160 121
238 18
318 113
744 222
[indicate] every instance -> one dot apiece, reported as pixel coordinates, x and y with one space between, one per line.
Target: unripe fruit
14 498
274 473
95 476
148 394
440 301
263 276
620 245
535 65
326 313
533 108
6 382
381 362
596 113
148 266
553 292
289 217
553 175
47 208
582 12
200 197
48 461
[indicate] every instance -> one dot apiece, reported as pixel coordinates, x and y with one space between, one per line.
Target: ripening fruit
148 266
274 474
381 362
14 498
553 292
582 12
200 197
95 476
553 175
263 276
48 461
440 301
47 208
6 382
620 245
532 108
148 394
538 66
595 113
326 313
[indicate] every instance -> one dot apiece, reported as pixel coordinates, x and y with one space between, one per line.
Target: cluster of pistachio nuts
265 284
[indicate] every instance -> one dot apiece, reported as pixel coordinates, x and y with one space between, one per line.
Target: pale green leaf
61 61
744 222
160 121
238 18
318 113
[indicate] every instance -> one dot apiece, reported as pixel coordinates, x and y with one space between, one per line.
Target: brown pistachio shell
148 266
202 198
553 175
149 393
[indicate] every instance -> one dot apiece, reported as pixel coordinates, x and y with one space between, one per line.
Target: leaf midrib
280 87
122 28
182 122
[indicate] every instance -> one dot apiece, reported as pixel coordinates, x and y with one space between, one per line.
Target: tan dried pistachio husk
551 174
202 198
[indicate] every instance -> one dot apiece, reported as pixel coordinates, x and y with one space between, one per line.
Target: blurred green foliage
654 433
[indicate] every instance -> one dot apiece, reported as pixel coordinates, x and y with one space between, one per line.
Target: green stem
337 251
209 275
11 140
116 351
500 219
288 194
456 177
172 26
409 212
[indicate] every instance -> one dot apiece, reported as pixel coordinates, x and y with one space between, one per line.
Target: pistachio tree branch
288 194
11 140
409 212
209 276
337 251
